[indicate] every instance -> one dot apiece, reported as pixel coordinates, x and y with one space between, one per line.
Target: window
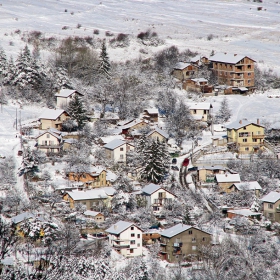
244 140
249 81
138 244
247 149
249 66
132 228
132 235
255 140
205 112
270 215
249 74
203 239
138 235
194 111
121 149
193 240
131 251
48 136
146 234
194 248
190 231
270 205
121 156
132 242
244 128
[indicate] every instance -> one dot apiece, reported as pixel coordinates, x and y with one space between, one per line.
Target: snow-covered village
139 140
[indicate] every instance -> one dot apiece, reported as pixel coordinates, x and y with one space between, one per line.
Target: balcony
278 209
257 136
41 146
177 245
121 246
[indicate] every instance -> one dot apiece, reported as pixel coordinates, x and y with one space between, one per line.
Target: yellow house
92 199
224 181
271 206
94 178
53 118
248 137
158 134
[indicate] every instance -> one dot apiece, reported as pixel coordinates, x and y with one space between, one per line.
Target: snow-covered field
237 26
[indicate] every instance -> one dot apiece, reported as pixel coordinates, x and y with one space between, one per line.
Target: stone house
271 206
184 70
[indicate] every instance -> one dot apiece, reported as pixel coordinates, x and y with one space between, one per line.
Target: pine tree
104 66
224 113
155 159
3 62
77 111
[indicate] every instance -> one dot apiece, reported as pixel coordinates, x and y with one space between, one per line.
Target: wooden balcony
257 136
40 146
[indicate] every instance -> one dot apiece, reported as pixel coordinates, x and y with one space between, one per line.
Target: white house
64 96
116 150
126 238
201 110
156 196
49 142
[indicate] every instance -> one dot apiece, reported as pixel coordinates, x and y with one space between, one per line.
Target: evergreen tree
187 218
8 75
104 66
155 162
224 112
3 62
77 111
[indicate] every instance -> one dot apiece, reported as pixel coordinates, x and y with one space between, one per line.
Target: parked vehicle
174 161
186 162
174 167
194 168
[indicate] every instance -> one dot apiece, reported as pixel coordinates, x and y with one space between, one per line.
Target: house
200 111
198 84
206 174
182 242
246 137
134 125
95 177
198 60
106 139
184 70
117 149
49 142
67 143
246 186
151 236
233 70
226 180
126 238
97 216
156 197
151 115
158 135
64 96
247 213
271 206
53 118
92 199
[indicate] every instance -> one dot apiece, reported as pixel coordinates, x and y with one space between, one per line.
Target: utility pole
16 118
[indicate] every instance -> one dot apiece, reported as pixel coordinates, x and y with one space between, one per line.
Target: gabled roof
91 213
114 144
161 132
152 111
119 227
272 197
227 178
99 193
133 123
51 114
227 58
200 106
107 139
195 59
199 80
212 167
50 132
177 229
151 188
237 124
67 92
181 65
246 186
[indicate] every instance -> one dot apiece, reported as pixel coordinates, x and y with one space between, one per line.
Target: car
174 161
194 168
186 162
174 167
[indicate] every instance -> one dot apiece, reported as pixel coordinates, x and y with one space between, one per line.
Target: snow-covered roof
70 140
181 65
151 188
92 194
152 110
110 138
239 124
244 212
119 227
200 80
96 170
124 122
21 217
66 92
114 144
8 261
51 114
170 232
91 213
244 186
195 59
161 132
133 123
272 197
50 132
243 88
227 178
227 58
200 106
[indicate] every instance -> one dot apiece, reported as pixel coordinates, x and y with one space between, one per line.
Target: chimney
240 121
115 226
258 121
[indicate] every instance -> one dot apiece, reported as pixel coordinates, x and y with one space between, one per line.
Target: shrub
65 27
65 10
121 37
96 31
210 37
109 34
79 25
17 31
